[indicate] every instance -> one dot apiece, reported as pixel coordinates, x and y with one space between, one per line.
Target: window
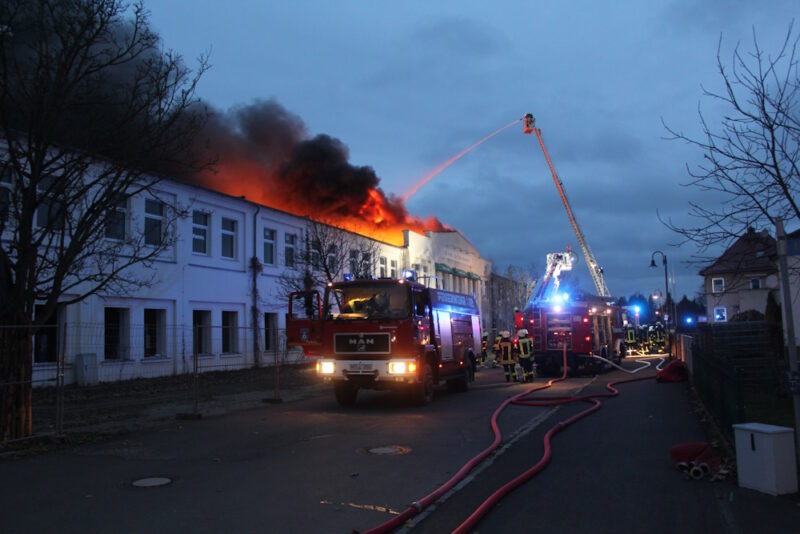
717 285
45 343
316 247
393 269
5 191
269 246
200 232
50 213
354 262
382 267
115 335
228 238
366 265
289 242
755 283
270 331
201 325
720 314
230 332
115 220
153 222
154 332
332 259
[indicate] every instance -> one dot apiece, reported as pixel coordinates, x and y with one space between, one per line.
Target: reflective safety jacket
506 356
525 347
496 346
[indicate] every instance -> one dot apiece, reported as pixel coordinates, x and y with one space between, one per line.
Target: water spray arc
431 175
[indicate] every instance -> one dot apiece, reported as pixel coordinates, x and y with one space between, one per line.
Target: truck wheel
345 393
423 392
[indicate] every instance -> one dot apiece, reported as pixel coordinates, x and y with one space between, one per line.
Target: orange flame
378 217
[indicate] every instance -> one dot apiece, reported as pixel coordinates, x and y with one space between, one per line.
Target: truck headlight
325 367
402 368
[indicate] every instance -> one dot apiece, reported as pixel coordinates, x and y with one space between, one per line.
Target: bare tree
327 253
91 110
751 157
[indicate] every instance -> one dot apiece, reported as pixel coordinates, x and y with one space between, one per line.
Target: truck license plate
361 367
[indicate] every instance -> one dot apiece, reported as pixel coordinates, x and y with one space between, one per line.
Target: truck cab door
304 322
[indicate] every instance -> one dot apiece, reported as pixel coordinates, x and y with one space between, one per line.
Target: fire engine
387 334
589 326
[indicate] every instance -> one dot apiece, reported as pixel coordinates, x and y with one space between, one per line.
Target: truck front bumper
402 370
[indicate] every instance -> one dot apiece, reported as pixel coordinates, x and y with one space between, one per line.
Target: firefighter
496 349
525 355
484 346
507 356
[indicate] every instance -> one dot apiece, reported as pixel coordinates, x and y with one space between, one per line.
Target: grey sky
407 85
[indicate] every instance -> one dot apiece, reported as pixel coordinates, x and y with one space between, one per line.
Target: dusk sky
407 85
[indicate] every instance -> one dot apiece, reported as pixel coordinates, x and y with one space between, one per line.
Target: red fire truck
387 334
590 326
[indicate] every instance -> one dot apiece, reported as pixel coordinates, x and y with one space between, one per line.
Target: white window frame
201 332
721 281
316 248
331 258
229 235
269 241
158 330
382 267
354 262
154 218
47 207
721 314
755 283
116 212
123 334
231 331
393 269
289 247
200 233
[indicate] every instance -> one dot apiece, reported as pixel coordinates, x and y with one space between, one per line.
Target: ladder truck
596 272
586 327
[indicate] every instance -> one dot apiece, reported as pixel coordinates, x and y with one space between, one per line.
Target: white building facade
207 306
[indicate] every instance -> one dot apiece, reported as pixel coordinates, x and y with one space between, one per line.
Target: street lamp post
666 289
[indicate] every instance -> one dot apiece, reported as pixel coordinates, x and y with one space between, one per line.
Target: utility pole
788 327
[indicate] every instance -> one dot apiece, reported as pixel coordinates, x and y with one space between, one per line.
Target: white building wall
186 281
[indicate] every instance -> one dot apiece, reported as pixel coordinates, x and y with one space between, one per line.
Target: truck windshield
367 302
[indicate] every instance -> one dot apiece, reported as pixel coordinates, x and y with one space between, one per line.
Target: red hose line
417 507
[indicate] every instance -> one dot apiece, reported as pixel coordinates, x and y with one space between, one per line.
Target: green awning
473 276
459 272
443 267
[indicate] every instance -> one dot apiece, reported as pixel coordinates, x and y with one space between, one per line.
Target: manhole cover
151 482
389 450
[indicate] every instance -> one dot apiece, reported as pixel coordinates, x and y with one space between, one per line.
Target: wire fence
90 378
739 370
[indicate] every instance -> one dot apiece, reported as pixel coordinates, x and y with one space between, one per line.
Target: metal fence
739 371
85 379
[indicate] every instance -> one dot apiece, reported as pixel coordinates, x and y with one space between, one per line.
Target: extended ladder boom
594 269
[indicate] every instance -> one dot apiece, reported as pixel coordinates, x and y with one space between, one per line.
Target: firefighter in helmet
525 355
496 349
484 346
507 356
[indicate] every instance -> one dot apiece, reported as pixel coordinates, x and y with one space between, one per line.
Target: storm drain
151 482
389 450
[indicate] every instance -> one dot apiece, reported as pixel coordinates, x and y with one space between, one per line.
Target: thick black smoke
263 147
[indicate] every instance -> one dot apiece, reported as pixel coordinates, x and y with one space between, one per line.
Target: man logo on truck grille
361 343
377 343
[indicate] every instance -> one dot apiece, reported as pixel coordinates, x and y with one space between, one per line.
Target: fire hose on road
521 399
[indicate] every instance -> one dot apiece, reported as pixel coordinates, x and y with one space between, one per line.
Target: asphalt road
310 466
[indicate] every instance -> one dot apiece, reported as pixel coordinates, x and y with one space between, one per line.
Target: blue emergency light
409 274
347 277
